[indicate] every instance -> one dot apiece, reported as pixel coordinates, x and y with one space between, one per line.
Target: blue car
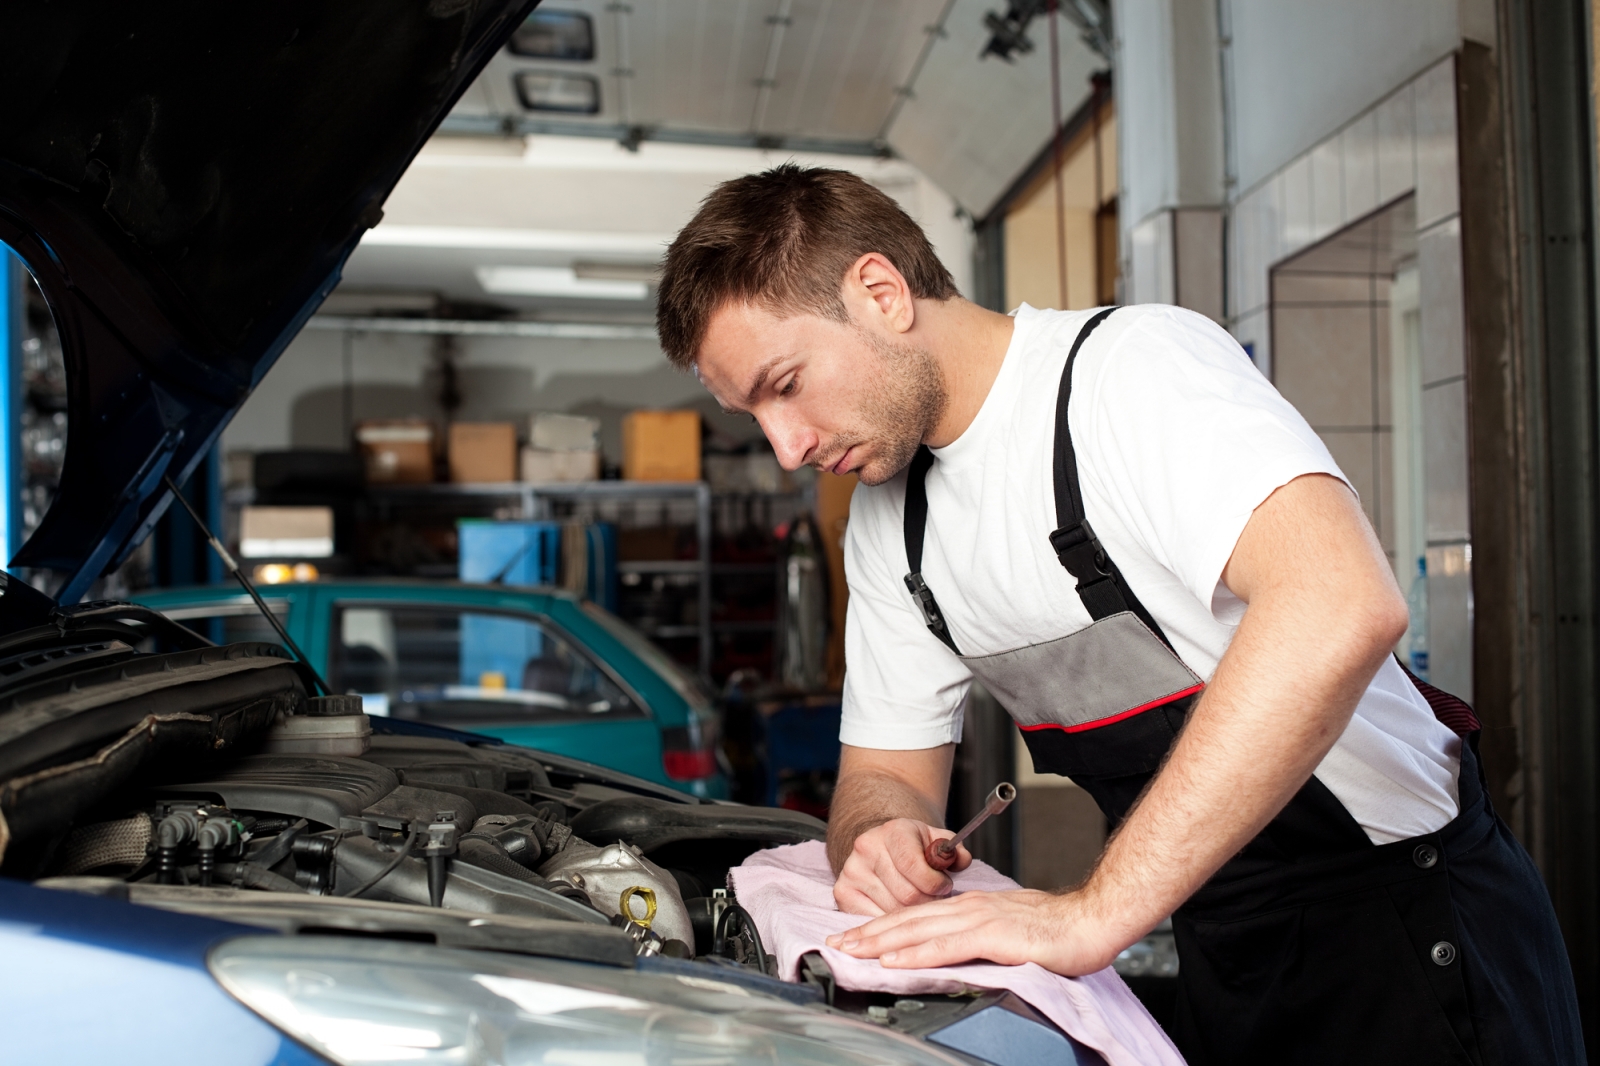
204 856
535 667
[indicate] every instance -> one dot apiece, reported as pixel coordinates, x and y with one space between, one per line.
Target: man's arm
886 807
1324 611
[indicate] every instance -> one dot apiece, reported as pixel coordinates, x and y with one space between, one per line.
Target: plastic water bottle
1417 601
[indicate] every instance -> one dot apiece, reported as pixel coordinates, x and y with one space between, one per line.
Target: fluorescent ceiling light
556 281
485 238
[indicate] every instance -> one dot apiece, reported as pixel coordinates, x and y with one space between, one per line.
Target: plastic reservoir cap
332 706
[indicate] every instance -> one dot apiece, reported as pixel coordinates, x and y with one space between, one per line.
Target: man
1175 593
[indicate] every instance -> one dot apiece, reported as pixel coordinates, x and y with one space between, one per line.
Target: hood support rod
232 566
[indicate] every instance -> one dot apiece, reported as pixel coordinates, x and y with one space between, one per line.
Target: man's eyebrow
760 381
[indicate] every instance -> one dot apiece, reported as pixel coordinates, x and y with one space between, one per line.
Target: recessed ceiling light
573 94
555 35
556 281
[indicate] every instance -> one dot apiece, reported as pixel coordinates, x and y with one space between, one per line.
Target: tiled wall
1332 336
1406 144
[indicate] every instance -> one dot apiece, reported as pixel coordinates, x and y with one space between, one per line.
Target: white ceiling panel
695 62
798 74
973 124
841 63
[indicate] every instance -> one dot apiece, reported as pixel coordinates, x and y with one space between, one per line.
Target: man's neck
969 344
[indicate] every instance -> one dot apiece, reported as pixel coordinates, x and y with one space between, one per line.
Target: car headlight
360 1001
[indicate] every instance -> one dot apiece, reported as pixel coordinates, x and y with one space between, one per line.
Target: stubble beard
906 399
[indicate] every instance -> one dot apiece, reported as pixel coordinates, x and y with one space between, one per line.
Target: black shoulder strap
1101 586
916 525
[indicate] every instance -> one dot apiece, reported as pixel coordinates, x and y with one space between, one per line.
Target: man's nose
790 441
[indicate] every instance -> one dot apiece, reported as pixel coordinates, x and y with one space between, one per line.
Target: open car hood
185 181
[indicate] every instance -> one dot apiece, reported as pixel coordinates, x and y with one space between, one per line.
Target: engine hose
552 811
254 875
394 863
719 934
480 852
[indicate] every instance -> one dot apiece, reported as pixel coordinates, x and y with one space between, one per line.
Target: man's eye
788 387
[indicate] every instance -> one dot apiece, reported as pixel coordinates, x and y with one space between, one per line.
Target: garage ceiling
852 76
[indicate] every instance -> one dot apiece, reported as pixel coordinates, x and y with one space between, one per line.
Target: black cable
411 842
719 933
233 568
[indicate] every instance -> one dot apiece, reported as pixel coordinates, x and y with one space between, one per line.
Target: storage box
483 451
661 446
520 554
286 532
546 467
563 433
397 451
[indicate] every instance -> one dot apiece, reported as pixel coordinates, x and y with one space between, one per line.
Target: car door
510 674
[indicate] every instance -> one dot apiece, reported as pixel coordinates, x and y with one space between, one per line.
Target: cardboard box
661 446
397 451
542 466
286 532
563 433
483 451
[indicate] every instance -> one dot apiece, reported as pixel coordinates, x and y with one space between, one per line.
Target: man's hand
1059 933
882 819
888 869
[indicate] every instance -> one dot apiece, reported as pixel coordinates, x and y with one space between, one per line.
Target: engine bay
424 822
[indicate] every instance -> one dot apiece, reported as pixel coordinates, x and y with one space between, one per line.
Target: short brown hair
784 238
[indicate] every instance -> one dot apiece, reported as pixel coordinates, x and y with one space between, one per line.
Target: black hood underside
185 181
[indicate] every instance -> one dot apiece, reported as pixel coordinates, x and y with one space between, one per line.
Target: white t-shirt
1179 438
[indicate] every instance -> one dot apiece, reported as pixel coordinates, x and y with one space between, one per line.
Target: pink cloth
789 893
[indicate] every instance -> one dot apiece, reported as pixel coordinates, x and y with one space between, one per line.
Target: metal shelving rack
533 502
535 499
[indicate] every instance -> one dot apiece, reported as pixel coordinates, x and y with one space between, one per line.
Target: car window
231 622
685 684
458 667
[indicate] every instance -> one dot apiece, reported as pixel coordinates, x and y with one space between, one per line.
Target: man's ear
875 289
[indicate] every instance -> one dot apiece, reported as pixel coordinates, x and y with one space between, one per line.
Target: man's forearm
1279 700
869 794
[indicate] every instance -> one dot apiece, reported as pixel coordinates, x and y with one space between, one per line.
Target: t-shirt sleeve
1188 438
903 689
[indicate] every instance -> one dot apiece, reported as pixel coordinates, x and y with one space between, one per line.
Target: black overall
1312 945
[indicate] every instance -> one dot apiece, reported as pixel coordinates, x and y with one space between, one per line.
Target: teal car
535 667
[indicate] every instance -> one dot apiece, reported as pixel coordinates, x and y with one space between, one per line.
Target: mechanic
1177 597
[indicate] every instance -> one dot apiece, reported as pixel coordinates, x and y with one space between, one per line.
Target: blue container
601 583
519 554
800 739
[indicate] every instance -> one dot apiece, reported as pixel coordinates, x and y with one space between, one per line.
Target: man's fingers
948 950
852 900
893 920
911 861
882 885
945 937
911 882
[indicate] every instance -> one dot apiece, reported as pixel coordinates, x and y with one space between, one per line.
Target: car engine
467 827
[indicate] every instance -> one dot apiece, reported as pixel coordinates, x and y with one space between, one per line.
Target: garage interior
483 399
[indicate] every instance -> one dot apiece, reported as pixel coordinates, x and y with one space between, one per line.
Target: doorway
1356 320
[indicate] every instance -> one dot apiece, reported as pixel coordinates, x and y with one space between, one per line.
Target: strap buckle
1079 550
924 597
930 609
